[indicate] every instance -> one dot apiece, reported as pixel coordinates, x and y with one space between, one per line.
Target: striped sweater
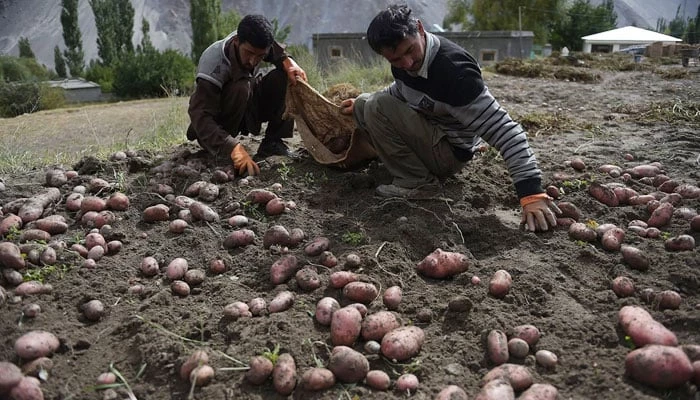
450 92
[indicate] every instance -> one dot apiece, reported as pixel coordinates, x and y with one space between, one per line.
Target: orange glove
242 161
539 212
293 70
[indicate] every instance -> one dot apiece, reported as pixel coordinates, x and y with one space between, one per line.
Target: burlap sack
330 137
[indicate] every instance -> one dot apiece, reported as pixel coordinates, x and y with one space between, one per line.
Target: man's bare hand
346 106
293 71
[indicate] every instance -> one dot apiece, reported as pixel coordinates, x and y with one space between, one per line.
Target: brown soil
559 285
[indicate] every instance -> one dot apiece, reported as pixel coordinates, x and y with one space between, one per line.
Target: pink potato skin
497 389
281 302
662 367
392 297
325 309
540 391
378 380
35 344
339 279
361 292
348 365
443 264
500 284
345 326
528 333
27 389
284 374
452 392
315 379
643 329
260 369
376 325
283 269
661 216
603 194
10 375
497 347
403 343
518 376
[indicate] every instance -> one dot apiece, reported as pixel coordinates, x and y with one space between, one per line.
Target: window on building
336 52
488 56
601 48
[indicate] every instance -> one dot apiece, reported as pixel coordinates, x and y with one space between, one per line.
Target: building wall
83 95
488 47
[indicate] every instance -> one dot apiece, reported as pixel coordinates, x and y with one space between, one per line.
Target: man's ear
420 27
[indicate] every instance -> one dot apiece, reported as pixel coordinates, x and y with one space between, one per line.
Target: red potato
260 196
403 343
88 218
339 279
149 266
452 392
196 359
352 260
10 222
276 235
673 198
623 286
56 177
361 292
238 221
158 212
668 299
345 326
34 235
37 366
565 222
93 310
284 374
296 236
219 176
180 288
283 269
208 192
500 284
217 266
624 194
546 358
317 246
32 209
662 367
308 279
260 369
348 365
687 191
392 297
92 203
98 185
581 231
237 309
53 224
28 388
118 202
569 210
376 325
195 277
103 218
497 347
641 327
680 243
660 179
274 207
517 376
646 170
603 194
518 348
316 379
327 259
612 239
378 380
529 333
640 200
177 226
35 344
442 264
661 216
577 164
360 307
497 389
257 306
32 287
239 238
281 302
202 375
553 191
202 212
10 375
635 258
194 188
540 391
607 168
176 269
325 309
10 256
407 383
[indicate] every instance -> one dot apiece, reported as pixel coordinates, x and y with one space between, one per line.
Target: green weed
353 238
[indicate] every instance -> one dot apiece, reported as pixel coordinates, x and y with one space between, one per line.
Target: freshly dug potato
196 359
569 210
10 256
202 375
296 236
315 379
208 192
237 309
662 367
497 347
274 207
317 246
328 259
34 235
603 194
687 191
339 279
345 326
407 383
239 238
540 391
403 343
442 264
32 287
284 374
640 200
28 388
10 222
276 235
378 380
641 327
281 302
348 365
118 201
378 324
257 306
32 209
581 231
661 216
283 269
497 389
93 310
260 196
695 223
260 369
500 284
612 239
35 344
325 309
36 366
635 258
74 201
452 392
308 279
178 226
10 375
361 292
518 348
645 170
202 212
518 376
668 299
546 358
158 212
149 266
180 288
176 269
53 224
392 297
680 243
623 286
529 333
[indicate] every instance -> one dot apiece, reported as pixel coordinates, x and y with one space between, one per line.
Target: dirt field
561 286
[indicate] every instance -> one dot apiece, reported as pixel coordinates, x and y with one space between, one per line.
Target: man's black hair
256 30
390 27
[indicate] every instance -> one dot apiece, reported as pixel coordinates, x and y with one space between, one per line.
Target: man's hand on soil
242 161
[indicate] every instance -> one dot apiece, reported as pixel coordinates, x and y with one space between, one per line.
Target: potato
546 358
176 269
92 203
339 279
577 163
635 258
687 191
603 194
238 220
202 375
378 324
646 170
93 310
345 326
517 376
325 309
403 343
37 366
32 287
442 264
296 235
281 302
28 388
612 239
695 223
661 216
257 306
208 192
35 344
53 224
696 374
10 222
283 269
641 327
680 243
10 375
518 348
34 235
217 266
327 259
640 200
274 207
452 392
74 201
623 286
392 297
158 212
196 359
239 238
260 369
497 389
581 231
497 347
180 288
118 201
378 380
569 210
407 383
307 279
178 226
10 256
260 196
662 367
149 266
315 379
202 212
276 235
33 208
361 292
500 284
540 391
348 365
317 246
284 374
668 299
624 194
529 333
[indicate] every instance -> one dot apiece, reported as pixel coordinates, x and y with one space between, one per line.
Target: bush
101 74
51 97
17 98
151 73
14 69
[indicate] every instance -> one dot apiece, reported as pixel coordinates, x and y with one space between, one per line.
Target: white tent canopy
629 35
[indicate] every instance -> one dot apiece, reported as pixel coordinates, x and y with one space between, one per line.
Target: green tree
151 73
72 37
457 14
694 29
583 19
114 20
146 43
204 16
533 15
60 63
25 48
677 26
280 34
228 22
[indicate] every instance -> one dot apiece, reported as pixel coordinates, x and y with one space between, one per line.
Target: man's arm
205 105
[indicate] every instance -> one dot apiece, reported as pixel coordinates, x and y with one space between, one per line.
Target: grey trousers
415 151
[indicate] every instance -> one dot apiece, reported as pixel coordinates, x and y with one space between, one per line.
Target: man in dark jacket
428 122
230 98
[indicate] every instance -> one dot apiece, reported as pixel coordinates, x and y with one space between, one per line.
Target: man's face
248 55
410 52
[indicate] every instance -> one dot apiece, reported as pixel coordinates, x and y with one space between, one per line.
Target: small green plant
253 211
575 184
629 343
12 234
592 224
665 235
273 354
285 171
40 274
352 238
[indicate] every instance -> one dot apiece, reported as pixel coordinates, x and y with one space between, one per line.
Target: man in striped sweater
427 123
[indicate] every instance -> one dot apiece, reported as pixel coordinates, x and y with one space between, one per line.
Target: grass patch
543 68
672 112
